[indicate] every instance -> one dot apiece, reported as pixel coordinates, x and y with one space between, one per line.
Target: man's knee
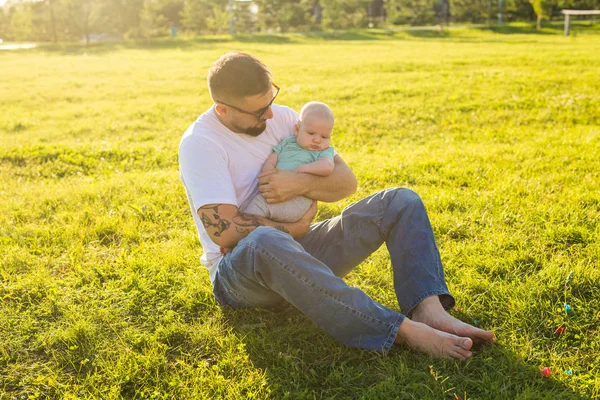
405 196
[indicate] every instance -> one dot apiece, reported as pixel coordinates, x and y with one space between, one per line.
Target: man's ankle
429 305
404 331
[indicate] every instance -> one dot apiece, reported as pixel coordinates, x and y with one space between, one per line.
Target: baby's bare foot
429 313
421 337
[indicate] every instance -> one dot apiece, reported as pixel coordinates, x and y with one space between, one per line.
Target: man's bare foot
430 312
421 337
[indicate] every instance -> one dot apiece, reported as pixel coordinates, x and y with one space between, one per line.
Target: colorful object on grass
568 308
476 321
560 330
546 371
457 309
569 371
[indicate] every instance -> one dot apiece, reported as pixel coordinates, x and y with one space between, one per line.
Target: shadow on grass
262 39
548 28
517 30
208 41
108 47
158 44
352 35
302 361
200 42
430 34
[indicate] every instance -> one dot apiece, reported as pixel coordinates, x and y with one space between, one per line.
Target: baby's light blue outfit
291 156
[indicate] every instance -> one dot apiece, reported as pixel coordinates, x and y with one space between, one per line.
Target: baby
307 151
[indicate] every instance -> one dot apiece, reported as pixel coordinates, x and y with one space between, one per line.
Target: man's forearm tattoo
246 223
217 223
282 229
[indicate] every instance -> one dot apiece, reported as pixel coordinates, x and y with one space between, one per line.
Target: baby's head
313 129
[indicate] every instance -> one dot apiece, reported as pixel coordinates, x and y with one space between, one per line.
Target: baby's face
314 134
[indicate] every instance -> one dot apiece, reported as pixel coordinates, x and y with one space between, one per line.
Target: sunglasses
257 114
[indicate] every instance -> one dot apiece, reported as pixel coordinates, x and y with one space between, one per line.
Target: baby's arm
271 162
321 167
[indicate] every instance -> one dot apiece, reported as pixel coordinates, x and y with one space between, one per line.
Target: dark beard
255 130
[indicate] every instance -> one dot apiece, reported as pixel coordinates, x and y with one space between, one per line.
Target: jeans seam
439 260
308 283
379 220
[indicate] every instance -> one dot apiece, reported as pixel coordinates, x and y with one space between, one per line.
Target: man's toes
464 354
489 336
458 354
465 343
486 336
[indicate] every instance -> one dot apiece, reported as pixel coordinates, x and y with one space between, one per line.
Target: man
268 263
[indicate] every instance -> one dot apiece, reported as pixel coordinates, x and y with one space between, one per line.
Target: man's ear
221 110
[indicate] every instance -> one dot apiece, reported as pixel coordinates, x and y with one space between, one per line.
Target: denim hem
393 333
427 294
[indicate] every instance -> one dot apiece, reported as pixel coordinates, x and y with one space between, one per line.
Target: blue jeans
269 267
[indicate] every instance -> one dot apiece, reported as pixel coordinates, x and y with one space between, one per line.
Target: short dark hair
237 75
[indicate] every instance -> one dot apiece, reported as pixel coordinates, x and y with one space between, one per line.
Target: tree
332 13
218 20
376 12
474 10
539 11
4 23
82 17
194 16
151 20
170 10
243 17
283 15
51 5
121 17
442 12
339 14
20 22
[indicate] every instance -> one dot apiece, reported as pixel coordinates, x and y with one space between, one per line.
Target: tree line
65 20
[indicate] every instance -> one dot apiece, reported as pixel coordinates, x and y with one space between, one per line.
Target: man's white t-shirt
218 166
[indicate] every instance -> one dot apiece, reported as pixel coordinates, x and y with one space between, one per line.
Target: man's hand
279 185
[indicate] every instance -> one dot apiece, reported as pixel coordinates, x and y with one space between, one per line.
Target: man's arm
321 167
279 185
226 225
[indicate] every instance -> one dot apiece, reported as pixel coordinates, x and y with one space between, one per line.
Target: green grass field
101 291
